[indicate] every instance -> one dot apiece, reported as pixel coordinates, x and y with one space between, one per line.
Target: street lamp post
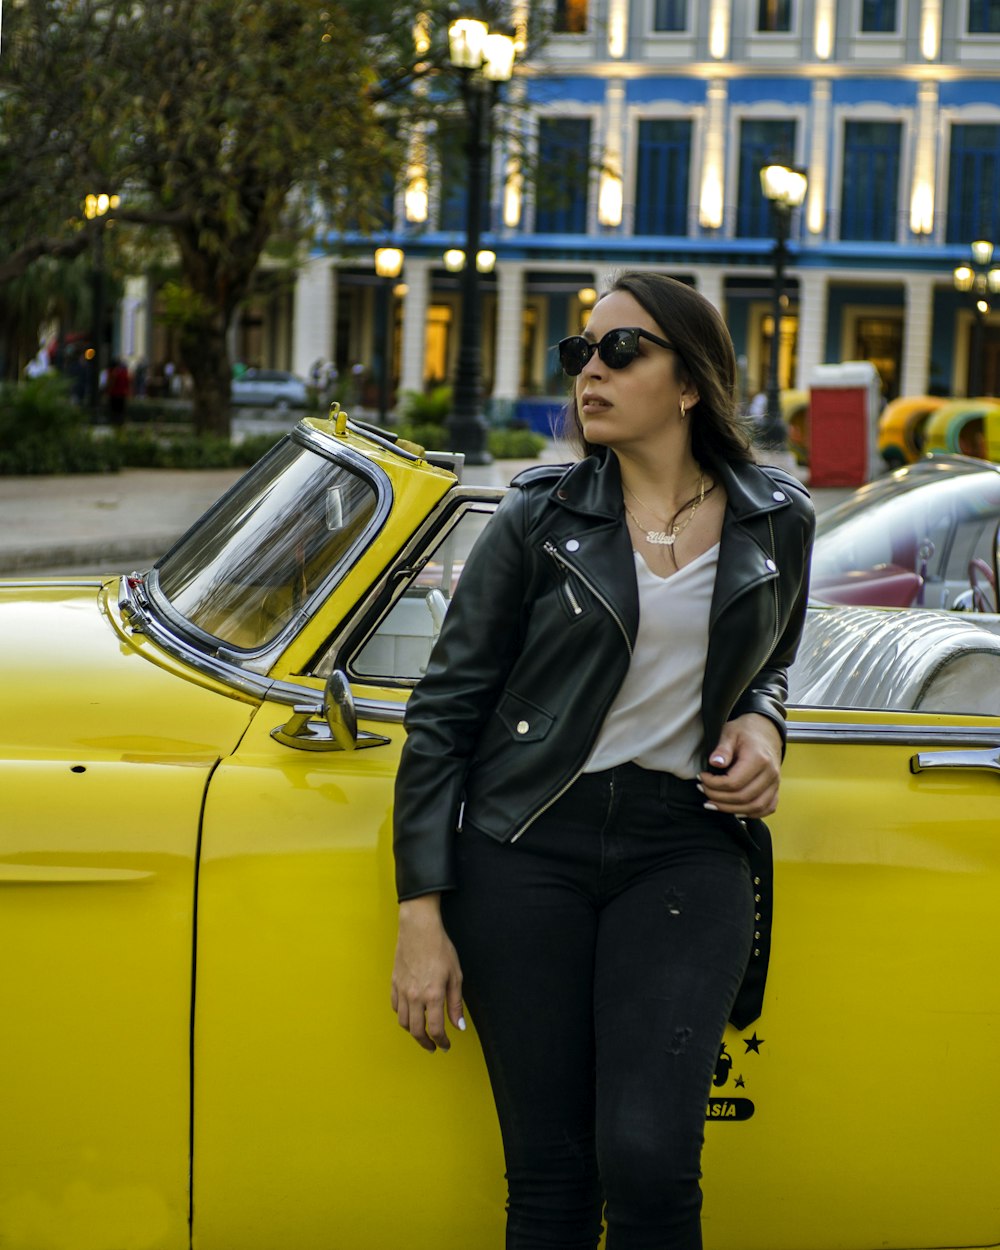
96 208
388 266
980 280
785 189
483 59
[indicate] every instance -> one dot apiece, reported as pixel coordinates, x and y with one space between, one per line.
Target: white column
925 160
417 274
604 275
930 29
133 328
812 325
917 322
819 157
711 282
712 196
718 29
313 315
824 28
617 28
510 320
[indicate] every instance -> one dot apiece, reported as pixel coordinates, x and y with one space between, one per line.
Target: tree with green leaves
224 124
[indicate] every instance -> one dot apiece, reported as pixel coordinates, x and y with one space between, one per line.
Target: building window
450 143
563 176
984 17
880 340
760 143
974 184
774 16
570 17
670 15
662 177
878 17
869 196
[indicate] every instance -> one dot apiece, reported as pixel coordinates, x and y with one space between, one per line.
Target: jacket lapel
588 528
746 555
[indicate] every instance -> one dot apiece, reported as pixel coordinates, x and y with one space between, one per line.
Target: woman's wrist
422 910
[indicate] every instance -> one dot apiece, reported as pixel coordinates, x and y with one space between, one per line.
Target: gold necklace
667 537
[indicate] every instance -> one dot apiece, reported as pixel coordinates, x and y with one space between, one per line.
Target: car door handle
989 759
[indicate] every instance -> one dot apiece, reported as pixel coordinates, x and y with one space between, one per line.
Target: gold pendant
660 537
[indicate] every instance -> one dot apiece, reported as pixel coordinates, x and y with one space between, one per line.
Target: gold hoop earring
683 410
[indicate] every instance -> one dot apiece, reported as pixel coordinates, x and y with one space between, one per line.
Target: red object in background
119 382
844 403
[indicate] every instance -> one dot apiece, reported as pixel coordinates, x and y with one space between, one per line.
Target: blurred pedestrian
118 387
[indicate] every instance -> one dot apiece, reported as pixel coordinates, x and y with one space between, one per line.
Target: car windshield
253 563
926 526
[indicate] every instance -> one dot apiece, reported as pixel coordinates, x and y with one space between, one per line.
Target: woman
601 718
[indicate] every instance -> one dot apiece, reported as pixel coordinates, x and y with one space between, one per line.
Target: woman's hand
750 752
426 976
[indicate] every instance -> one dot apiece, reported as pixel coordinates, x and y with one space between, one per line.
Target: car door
317 1121
105 755
861 1109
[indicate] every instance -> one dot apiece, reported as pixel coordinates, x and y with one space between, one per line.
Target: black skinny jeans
602 953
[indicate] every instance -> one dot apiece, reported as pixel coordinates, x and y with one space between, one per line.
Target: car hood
75 688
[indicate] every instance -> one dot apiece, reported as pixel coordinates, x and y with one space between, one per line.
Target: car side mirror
338 729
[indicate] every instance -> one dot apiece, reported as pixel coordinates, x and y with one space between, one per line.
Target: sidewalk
118 521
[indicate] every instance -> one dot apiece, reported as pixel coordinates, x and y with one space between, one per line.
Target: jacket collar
593 487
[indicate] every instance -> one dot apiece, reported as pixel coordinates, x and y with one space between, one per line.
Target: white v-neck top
655 720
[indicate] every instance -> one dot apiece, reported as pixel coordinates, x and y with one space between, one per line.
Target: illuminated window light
610 200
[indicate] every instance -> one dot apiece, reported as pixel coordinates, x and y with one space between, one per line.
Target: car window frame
340 649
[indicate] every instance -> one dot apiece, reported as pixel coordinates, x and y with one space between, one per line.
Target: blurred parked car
269 388
901 428
197 904
922 537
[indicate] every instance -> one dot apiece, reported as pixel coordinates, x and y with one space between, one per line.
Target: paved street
85 523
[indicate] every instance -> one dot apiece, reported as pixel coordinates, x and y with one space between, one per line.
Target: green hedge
43 432
503 444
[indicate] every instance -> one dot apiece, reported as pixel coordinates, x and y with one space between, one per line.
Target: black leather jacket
539 637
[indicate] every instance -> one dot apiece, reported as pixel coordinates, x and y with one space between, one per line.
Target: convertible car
197 912
925 536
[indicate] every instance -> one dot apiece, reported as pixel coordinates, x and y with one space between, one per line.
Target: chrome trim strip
893 735
380 709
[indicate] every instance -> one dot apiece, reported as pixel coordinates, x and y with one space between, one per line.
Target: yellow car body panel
105 760
317 1121
198 922
883 939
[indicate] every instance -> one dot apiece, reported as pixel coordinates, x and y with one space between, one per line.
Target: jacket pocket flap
525 721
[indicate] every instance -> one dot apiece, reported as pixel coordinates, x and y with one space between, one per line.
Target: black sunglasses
617 349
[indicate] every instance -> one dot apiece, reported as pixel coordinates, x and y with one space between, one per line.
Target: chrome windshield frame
180 637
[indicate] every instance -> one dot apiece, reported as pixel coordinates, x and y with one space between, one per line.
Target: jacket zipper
553 551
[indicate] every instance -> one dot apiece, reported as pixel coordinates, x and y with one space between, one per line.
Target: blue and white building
646 123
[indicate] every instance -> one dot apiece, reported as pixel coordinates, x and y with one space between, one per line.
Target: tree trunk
205 355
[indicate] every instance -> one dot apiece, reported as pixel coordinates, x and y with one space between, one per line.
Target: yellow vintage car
970 427
902 426
197 911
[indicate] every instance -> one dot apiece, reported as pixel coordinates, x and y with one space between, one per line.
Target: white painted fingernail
710 807
718 759
461 1023
700 786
